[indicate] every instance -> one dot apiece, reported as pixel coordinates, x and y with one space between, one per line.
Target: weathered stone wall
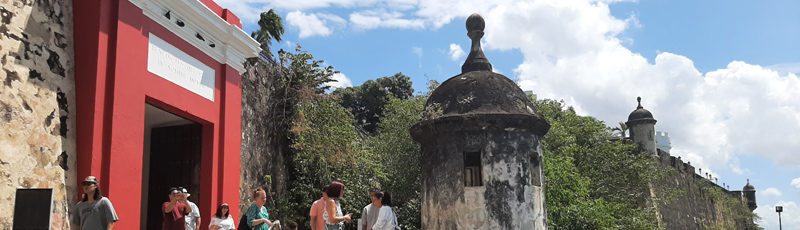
512 196
264 140
696 207
37 104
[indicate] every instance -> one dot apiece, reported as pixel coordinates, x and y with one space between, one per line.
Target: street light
779 209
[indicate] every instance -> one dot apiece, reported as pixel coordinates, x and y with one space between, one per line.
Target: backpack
243 223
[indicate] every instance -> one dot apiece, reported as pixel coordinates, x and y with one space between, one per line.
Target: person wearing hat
222 219
175 210
193 218
94 211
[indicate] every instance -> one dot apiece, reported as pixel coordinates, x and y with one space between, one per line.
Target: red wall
112 87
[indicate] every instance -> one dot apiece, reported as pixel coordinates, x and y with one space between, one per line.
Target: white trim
232 45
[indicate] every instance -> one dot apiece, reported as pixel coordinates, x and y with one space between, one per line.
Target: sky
721 77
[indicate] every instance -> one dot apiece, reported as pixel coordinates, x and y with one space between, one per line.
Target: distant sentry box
33 208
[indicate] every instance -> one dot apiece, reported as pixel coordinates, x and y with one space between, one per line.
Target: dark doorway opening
175 150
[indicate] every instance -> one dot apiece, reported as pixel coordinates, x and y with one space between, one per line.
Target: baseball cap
183 190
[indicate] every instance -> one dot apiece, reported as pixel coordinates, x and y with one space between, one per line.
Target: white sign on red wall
169 62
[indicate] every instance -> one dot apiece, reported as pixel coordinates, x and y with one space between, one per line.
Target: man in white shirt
193 218
370 213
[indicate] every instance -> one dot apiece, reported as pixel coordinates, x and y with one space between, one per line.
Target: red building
158 88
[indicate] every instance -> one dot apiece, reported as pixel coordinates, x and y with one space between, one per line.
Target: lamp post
779 209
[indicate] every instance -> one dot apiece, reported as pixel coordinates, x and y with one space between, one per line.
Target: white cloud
790 217
341 81
572 51
796 182
382 19
249 10
456 52
313 24
417 51
736 168
771 192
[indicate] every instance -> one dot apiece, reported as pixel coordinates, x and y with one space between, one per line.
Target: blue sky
720 76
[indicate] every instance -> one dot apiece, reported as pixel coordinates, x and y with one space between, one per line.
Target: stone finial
639 99
476 60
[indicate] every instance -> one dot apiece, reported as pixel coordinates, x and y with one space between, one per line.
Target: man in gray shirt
370 214
193 218
94 211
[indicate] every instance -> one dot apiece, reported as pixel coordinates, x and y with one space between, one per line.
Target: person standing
334 220
193 218
175 210
370 213
94 211
222 219
257 216
317 208
292 225
387 220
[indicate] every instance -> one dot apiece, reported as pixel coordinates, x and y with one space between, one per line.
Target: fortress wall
697 207
37 105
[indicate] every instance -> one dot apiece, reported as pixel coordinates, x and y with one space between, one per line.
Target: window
473 175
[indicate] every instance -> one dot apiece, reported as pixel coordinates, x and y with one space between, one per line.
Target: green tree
399 154
327 147
591 181
368 100
301 71
270 27
276 91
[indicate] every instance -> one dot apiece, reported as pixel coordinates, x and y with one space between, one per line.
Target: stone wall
37 104
696 207
264 140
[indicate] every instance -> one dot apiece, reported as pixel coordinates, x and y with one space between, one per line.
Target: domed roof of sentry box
748 187
640 113
478 90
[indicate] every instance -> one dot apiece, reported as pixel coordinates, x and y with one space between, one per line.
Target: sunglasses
86 183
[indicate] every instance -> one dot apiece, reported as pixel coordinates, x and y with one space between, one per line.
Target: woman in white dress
387 220
222 220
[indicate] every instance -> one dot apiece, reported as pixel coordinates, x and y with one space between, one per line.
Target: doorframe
208 169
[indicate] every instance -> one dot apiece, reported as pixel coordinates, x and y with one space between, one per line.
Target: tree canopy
368 100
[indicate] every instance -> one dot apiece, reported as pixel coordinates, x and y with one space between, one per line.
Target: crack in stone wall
37 137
